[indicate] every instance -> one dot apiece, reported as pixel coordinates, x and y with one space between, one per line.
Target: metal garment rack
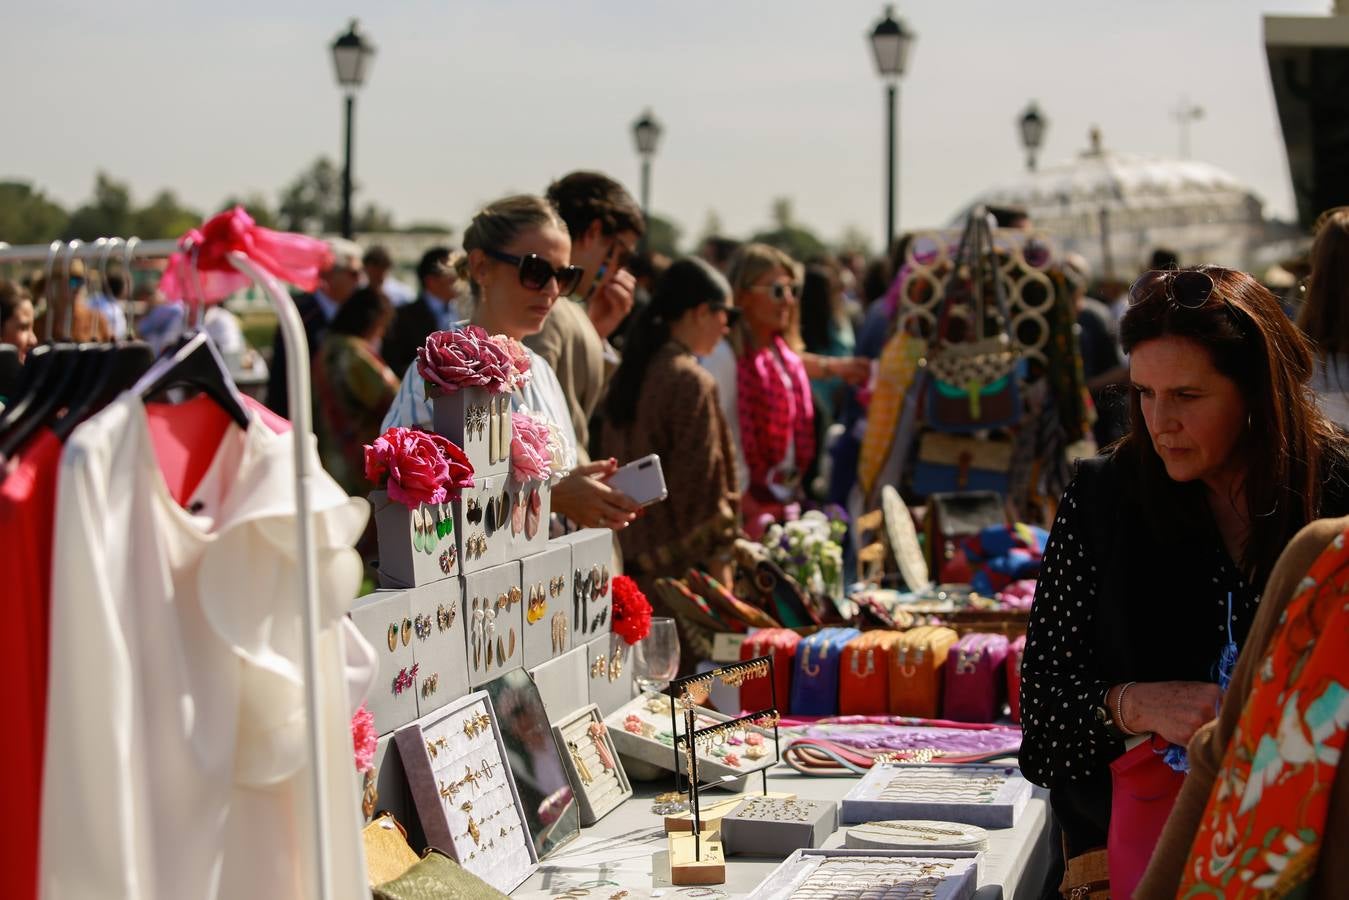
298 391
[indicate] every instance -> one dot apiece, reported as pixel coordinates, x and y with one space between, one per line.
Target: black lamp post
890 42
646 133
1033 127
351 61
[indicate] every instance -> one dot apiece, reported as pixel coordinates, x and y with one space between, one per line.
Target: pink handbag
976 678
1014 654
1144 788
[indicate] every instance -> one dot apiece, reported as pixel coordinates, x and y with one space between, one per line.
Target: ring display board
836 874
984 795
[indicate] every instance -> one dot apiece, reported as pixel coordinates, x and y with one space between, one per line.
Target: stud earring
448 557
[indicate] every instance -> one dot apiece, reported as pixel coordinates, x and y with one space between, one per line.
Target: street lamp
646 133
890 42
351 61
1033 126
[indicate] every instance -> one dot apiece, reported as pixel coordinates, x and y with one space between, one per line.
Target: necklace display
599 777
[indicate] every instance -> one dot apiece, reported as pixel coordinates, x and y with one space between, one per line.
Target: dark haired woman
662 401
1324 318
1162 548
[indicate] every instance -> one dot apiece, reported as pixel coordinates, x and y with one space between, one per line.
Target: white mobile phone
642 480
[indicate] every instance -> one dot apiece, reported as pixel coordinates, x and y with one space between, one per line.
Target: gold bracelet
1119 710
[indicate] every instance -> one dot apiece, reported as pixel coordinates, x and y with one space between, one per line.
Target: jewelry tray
915 836
775 826
985 795
607 787
649 748
789 879
435 750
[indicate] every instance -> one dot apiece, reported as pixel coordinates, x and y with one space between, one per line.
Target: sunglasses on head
536 272
782 290
1187 288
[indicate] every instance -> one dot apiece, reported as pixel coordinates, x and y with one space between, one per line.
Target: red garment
27 508
774 403
293 258
186 434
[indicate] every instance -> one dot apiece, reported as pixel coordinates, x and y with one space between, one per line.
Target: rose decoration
531 455
364 739
468 357
416 467
632 611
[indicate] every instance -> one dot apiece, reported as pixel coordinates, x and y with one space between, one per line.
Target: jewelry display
916 835
422 626
473 511
393 637
430 683
559 626
599 667
404 679
600 783
616 662
448 557
854 874
464 795
407 631
445 615
537 606
984 795
475 421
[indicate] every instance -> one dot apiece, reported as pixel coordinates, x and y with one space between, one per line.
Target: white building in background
1115 208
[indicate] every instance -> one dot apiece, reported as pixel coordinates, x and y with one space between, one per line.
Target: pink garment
1018 594
292 258
775 406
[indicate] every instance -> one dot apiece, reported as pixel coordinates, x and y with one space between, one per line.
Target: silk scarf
774 404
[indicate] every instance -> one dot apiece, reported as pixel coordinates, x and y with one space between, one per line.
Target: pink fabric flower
519 358
364 739
531 457
419 467
464 358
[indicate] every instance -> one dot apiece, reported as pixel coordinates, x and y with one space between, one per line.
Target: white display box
439 644
774 826
529 531
482 524
480 423
652 742
416 546
609 670
592 559
959 878
384 618
985 795
465 793
592 764
548 625
562 684
493 611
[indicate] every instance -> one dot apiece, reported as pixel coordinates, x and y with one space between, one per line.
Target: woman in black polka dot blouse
1226 459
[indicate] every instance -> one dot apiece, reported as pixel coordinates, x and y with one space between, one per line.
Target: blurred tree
108 213
712 227
855 240
28 216
662 236
257 207
163 217
372 218
427 228
797 241
312 203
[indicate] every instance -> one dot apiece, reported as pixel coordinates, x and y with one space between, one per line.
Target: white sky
472 100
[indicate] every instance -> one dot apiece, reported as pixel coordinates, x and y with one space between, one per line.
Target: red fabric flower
468 357
419 467
364 739
632 611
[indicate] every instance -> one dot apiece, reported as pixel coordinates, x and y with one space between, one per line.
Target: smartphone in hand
642 480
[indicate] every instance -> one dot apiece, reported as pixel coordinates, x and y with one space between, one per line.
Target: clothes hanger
118 368
38 366
196 364
63 373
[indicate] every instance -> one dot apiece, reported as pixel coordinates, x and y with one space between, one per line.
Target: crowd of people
1188 574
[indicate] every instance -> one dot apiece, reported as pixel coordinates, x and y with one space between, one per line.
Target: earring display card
531 505
641 730
609 670
464 791
771 826
493 611
563 683
592 559
546 581
482 522
480 423
829 874
983 795
385 619
439 644
416 546
592 764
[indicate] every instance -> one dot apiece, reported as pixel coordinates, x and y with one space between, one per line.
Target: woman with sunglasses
518 254
1162 546
765 384
661 401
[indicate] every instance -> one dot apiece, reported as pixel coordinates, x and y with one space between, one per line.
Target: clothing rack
298 391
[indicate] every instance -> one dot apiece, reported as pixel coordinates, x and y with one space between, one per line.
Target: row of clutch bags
928 671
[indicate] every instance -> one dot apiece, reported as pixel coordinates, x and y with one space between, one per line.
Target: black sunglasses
732 312
536 272
1189 289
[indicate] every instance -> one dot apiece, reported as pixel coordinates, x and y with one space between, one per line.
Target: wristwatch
1103 714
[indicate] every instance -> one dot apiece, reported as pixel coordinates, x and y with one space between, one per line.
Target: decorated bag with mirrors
974 366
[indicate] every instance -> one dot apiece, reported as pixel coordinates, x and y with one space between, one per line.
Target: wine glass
656 657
